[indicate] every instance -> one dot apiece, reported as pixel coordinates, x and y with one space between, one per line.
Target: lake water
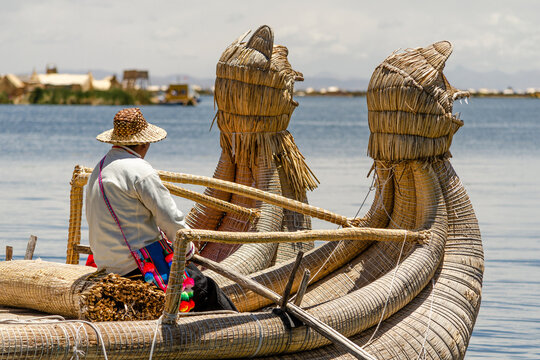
496 154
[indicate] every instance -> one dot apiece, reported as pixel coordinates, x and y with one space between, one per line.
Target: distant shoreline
363 93
141 97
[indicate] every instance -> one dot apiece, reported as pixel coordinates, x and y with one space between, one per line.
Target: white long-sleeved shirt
142 204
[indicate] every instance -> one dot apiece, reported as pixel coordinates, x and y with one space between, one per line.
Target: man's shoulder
139 167
135 169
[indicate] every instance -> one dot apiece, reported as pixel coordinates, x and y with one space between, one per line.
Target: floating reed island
402 282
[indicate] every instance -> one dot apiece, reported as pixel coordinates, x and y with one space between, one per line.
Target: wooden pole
30 247
288 287
176 279
302 288
256 194
75 215
308 319
250 214
9 253
243 190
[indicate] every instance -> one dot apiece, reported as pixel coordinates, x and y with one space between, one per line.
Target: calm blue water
496 154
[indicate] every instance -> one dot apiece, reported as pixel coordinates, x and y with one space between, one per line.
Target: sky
336 38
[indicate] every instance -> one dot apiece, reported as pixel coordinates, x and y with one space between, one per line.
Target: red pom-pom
191 304
169 258
184 306
148 267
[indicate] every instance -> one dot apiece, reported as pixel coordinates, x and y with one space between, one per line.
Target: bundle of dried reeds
410 105
77 291
116 298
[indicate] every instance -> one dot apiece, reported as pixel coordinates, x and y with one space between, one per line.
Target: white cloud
347 38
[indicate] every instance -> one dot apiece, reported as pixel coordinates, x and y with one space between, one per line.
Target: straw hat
131 128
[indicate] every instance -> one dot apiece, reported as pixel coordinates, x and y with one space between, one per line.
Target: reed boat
180 94
404 281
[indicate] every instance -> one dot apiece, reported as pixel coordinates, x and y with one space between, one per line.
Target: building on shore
15 89
135 79
75 82
107 83
11 85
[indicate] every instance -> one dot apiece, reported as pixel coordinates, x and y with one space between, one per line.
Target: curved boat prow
254 97
412 126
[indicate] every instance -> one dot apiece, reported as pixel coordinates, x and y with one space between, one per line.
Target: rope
61 320
76 351
423 350
371 188
253 132
393 277
390 292
158 323
35 319
388 295
260 336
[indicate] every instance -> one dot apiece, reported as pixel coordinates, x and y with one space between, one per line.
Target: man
127 205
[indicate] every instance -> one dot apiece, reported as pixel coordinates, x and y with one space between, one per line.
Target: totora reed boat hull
429 303
403 282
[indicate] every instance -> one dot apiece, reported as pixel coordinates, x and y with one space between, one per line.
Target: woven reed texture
254 95
253 257
443 314
263 333
257 194
421 264
426 296
292 221
131 128
49 287
204 217
410 105
380 258
325 259
414 272
75 216
248 215
254 88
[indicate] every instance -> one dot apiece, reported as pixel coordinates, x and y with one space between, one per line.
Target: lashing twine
423 350
371 188
56 319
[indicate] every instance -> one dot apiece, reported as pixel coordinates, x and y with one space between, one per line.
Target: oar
311 321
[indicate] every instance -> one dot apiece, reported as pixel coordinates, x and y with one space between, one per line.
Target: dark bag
206 293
